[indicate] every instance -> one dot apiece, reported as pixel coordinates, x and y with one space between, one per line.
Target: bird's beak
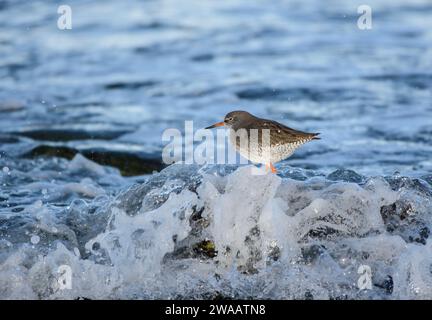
219 124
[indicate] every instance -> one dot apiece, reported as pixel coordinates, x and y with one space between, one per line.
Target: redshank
274 141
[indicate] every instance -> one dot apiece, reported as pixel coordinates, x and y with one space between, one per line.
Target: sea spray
212 231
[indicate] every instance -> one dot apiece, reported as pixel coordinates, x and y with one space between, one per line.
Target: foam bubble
34 239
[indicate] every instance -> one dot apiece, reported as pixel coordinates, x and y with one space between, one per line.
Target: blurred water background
128 70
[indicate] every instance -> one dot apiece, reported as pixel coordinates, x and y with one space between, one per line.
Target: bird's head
233 119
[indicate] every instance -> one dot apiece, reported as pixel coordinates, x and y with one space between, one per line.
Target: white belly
264 155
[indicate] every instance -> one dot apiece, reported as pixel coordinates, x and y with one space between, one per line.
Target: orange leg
271 167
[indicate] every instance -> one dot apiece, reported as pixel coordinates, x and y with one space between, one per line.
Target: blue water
128 70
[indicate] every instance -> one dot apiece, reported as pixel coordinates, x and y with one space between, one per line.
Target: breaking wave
226 232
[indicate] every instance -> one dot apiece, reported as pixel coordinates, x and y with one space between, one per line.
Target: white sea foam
275 238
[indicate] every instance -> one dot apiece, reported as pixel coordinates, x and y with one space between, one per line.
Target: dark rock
195 245
273 255
70 134
311 253
345 175
321 233
401 219
129 164
387 284
205 249
197 222
215 296
51 151
397 183
400 209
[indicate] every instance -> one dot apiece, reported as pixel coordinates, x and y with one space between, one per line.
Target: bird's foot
271 167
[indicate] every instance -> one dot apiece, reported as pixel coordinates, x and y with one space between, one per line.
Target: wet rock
401 210
293 173
273 255
205 249
195 245
197 222
421 187
215 296
158 188
311 253
322 233
253 253
387 284
345 175
51 151
70 134
129 164
401 219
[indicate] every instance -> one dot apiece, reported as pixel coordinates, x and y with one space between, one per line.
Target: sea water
87 210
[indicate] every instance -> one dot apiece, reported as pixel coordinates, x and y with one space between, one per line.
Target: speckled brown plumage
261 140
279 133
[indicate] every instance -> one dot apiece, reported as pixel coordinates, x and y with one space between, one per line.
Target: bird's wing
279 133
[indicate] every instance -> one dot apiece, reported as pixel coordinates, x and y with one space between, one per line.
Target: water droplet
35 239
